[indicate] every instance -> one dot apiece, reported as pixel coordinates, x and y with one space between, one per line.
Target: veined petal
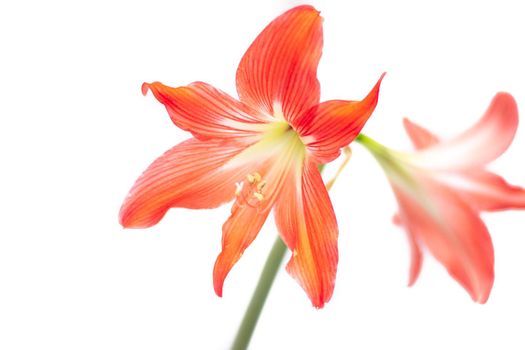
208 112
256 196
484 142
278 73
331 125
190 175
453 233
420 137
238 232
484 191
307 224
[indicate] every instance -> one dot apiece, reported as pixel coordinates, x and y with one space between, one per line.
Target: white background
75 133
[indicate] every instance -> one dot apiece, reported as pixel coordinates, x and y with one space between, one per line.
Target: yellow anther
238 188
257 176
250 178
259 196
261 185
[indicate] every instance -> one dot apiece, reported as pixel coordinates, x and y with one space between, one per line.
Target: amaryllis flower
262 152
442 187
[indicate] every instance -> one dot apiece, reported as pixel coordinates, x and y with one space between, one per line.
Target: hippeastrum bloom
442 188
263 151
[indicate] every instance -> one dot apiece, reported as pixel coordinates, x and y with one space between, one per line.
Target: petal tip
318 305
219 275
128 221
373 95
306 8
131 216
503 95
218 290
145 88
505 101
123 217
378 84
217 287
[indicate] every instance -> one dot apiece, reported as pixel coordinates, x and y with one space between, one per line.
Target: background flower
442 187
75 131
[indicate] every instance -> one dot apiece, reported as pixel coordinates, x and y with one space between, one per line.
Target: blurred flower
262 151
442 187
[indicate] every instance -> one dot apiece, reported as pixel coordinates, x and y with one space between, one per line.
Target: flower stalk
253 312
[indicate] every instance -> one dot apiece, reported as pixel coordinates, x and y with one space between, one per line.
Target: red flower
262 151
442 188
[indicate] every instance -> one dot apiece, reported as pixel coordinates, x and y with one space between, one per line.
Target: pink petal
420 137
332 125
485 191
453 233
308 226
207 112
484 142
189 175
416 259
416 255
278 73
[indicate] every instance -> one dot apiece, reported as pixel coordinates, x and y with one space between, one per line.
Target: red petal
332 125
416 259
454 234
279 160
207 112
278 73
238 232
307 223
416 256
420 137
189 175
484 142
487 191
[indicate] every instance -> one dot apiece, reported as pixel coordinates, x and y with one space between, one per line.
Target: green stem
394 163
371 144
251 316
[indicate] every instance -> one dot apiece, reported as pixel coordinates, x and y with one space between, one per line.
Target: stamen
238 188
347 153
261 185
250 191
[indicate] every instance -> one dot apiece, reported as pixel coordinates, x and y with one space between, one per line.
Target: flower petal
238 232
416 259
190 175
454 234
416 255
485 191
332 125
256 197
207 112
278 73
484 142
307 224
420 137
